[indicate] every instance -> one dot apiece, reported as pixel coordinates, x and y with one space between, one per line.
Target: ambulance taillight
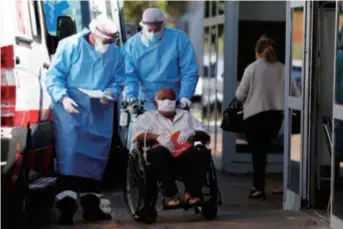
8 87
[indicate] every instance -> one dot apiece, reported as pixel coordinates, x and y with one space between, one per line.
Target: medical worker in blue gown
159 57
83 125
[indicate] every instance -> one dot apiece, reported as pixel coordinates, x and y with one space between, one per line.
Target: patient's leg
163 164
194 166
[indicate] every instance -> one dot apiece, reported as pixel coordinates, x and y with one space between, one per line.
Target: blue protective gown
83 140
170 63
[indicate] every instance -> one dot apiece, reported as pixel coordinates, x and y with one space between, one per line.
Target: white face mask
166 105
100 46
153 37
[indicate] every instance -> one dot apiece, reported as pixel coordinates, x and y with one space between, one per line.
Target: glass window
221 7
35 20
297 47
337 206
203 89
78 10
24 27
295 152
108 9
339 69
207 9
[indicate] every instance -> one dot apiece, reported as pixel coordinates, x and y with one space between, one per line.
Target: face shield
105 32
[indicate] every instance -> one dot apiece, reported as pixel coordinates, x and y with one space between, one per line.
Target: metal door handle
46 66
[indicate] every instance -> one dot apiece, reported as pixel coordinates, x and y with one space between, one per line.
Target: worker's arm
58 71
131 76
117 82
188 66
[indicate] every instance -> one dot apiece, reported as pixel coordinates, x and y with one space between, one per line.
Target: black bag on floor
233 117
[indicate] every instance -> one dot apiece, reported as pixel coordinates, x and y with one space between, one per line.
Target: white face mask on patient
166 105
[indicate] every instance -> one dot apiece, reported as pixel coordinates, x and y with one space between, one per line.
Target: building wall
262 11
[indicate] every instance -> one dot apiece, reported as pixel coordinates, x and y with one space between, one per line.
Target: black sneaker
257 195
92 210
252 190
67 207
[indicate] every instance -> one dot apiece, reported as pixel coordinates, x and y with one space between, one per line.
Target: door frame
293 200
337 114
231 160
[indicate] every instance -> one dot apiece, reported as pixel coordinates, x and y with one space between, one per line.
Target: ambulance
30 32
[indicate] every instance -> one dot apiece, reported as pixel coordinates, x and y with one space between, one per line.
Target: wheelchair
141 207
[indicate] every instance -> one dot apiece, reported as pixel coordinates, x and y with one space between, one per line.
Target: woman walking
262 92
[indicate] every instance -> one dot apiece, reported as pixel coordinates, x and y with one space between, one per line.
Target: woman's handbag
233 117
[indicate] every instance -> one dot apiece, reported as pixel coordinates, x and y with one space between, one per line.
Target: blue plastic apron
83 140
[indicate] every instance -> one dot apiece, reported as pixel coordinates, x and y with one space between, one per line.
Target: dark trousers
77 184
260 130
192 165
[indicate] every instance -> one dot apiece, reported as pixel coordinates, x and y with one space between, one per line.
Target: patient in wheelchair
157 128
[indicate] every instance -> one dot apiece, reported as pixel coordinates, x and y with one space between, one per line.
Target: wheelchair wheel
210 209
135 190
134 185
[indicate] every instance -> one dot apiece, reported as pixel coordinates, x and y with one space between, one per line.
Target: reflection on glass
337 206
297 47
219 87
53 9
207 9
339 74
221 7
295 152
201 87
210 85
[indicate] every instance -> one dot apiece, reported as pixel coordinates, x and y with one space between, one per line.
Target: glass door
210 85
294 112
337 149
242 30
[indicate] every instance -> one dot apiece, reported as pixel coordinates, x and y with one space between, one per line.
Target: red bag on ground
179 148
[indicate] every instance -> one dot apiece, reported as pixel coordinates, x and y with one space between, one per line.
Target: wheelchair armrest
200 141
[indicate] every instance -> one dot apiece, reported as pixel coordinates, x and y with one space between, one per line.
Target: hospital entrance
230 31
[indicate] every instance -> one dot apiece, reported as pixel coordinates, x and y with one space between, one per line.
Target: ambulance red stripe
22 118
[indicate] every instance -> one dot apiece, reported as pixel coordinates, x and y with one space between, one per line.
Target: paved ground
237 212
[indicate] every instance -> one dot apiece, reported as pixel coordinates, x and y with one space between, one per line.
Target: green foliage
133 10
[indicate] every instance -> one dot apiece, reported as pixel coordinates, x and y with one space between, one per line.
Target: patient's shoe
92 210
257 194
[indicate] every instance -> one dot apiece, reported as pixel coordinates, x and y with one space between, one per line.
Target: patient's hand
166 141
185 135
